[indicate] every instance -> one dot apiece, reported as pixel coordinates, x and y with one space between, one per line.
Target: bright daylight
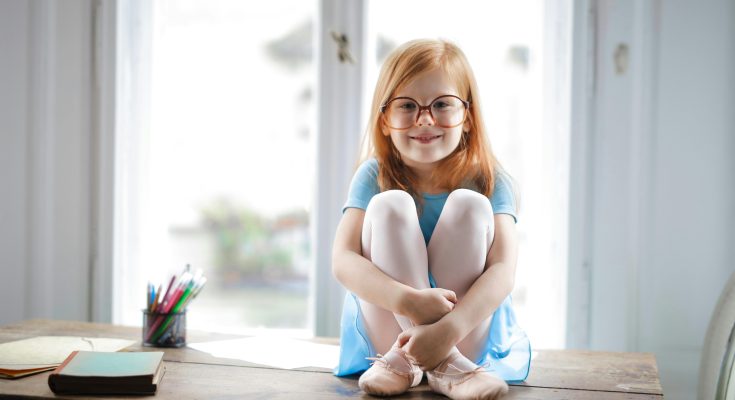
323 199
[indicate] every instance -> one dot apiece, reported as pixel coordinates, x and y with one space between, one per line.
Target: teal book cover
88 372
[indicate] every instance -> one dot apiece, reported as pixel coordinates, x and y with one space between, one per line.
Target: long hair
472 164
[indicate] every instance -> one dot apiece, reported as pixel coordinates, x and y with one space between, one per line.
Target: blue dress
507 352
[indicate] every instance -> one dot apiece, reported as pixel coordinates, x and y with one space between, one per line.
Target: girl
429 261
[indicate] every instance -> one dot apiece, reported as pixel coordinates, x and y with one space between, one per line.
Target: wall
45 125
14 88
662 199
692 204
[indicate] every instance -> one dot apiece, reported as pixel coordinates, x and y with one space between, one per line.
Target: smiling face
428 156
424 144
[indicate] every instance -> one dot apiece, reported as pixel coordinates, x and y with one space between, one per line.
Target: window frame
340 120
338 126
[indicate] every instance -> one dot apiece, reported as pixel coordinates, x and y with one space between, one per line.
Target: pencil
180 292
154 306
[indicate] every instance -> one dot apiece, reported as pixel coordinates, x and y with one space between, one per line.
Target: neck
423 173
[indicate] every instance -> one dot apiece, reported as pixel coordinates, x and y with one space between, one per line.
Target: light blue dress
507 351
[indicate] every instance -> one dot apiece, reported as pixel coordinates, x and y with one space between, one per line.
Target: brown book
92 372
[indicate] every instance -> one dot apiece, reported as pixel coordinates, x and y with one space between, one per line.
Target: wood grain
594 370
190 374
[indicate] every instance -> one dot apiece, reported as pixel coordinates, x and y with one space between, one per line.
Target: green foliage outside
249 246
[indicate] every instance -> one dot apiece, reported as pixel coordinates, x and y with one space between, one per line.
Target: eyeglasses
447 111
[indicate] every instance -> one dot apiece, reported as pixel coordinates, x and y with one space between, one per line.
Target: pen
172 298
170 284
181 290
181 301
195 292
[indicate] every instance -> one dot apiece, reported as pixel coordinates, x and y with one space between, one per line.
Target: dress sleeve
364 185
503 199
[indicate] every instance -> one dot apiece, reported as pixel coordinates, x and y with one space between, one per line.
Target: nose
425 118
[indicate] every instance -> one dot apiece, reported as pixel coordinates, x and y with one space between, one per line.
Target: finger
450 295
403 338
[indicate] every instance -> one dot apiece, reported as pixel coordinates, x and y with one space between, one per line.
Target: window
225 161
218 150
504 42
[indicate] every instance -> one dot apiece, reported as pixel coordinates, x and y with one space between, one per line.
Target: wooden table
191 374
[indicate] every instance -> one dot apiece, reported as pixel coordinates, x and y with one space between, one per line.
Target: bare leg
458 250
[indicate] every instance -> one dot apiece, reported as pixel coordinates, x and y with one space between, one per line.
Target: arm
368 282
430 344
492 287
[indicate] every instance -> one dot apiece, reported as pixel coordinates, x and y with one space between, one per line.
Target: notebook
43 353
86 372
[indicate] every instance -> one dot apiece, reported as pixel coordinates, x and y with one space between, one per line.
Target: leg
457 253
392 240
458 250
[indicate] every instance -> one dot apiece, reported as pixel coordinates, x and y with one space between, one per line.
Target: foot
460 379
391 374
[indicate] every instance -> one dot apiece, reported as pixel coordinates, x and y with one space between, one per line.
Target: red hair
472 164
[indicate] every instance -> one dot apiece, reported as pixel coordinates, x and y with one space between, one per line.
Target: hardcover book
86 372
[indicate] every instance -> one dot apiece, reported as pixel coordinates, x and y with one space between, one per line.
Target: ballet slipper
390 374
460 384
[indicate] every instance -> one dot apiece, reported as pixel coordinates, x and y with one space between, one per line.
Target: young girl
427 242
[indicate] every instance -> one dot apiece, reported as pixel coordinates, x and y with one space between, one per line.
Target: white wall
14 88
45 125
692 206
662 193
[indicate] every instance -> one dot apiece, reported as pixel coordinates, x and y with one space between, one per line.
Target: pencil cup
164 329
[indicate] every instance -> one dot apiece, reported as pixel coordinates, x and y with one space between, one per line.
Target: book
43 353
21 371
86 372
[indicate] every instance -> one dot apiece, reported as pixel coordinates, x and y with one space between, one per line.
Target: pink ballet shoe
390 374
476 384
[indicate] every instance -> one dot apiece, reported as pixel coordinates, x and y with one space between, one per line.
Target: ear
467 126
384 129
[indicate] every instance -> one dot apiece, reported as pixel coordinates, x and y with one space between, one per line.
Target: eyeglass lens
446 111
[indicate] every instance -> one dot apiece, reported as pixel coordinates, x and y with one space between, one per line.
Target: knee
393 205
468 206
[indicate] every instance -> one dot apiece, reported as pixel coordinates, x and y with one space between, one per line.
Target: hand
426 306
427 344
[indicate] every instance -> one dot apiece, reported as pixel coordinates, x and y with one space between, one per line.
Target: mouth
425 138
